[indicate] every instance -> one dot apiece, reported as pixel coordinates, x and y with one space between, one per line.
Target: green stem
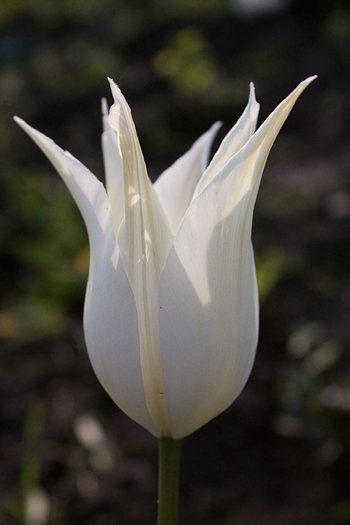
168 481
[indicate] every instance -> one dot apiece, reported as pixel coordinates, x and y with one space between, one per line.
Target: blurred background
281 453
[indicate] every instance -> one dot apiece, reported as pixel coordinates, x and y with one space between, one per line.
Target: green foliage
45 254
187 62
270 268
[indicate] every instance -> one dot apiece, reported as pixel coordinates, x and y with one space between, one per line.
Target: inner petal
144 240
113 164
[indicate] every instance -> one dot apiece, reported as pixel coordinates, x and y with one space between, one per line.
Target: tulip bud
171 307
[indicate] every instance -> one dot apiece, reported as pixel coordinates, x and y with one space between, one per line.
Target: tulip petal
209 287
234 140
110 316
113 164
176 185
144 240
111 333
87 191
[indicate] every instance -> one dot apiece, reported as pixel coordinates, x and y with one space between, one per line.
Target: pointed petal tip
31 131
26 127
104 107
302 86
252 98
217 125
311 78
252 89
307 81
116 91
105 113
20 121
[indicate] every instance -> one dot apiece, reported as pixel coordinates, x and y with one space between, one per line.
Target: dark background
281 453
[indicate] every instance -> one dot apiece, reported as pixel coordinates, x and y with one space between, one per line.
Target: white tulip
171 308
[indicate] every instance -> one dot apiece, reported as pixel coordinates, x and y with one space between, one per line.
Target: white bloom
171 308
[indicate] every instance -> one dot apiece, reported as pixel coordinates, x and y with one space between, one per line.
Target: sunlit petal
234 140
144 240
176 185
209 287
113 164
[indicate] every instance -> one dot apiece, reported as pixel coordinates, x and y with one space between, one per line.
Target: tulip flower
171 307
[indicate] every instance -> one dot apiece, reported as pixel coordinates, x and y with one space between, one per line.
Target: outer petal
87 191
176 185
208 295
110 317
111 333
113 164
144 239
234 140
